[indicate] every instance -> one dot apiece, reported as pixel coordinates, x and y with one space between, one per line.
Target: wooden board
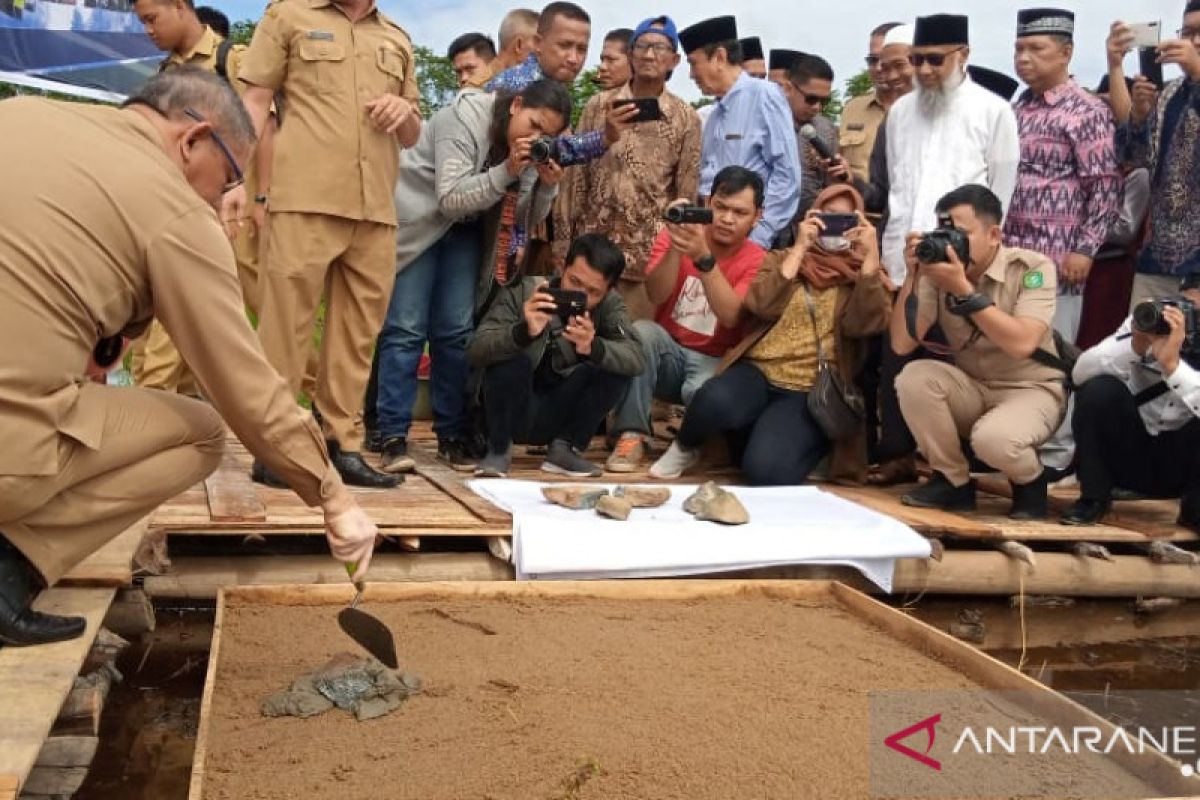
975 665
451 483
1150 519
232 496
34 681
928 521
111 565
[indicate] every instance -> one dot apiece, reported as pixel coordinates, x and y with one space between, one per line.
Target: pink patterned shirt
1068 185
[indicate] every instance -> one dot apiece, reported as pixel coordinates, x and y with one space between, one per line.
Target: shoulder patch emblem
1033 280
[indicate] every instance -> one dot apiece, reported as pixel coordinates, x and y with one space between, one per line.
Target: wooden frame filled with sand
613 689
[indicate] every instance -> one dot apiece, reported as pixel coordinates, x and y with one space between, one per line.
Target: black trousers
570 408
1114 450
783 443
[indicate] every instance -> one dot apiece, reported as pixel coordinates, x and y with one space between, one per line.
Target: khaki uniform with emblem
1004 406
332 220
154 360
861 119
113 236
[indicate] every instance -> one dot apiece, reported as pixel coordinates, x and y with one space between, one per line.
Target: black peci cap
1046 22
710 31
751 49
941 29
784 59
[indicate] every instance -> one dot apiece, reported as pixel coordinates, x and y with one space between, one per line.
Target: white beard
935 102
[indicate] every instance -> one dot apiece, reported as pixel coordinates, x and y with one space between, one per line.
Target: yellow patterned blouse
787 354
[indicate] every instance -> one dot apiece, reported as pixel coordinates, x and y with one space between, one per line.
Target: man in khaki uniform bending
1000 391
175 28
348 81
110 220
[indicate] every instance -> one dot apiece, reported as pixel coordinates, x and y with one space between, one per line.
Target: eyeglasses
1189 33
238 177
816 99
657 48
872 61
933 59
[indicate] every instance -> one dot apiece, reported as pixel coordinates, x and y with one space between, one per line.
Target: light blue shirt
751 127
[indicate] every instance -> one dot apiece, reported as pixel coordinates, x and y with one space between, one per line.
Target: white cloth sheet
788 525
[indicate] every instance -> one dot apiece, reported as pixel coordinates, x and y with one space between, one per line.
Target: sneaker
938 492
455 454
395 457
676 461
563 459
494 465
628 454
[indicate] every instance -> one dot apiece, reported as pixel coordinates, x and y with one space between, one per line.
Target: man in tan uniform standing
348 81
176 28
109 221
1001 392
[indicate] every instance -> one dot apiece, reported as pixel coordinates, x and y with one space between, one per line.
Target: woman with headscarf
824 294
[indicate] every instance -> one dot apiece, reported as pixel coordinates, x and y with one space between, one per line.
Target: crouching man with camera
700 268
556 356
995 305
1136 410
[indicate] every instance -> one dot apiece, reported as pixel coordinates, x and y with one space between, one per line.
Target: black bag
837 408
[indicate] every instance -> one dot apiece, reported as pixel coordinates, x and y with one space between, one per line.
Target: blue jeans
673 373
433 301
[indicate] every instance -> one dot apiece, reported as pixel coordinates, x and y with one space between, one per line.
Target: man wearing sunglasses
110 221
808 90
863 115
948 133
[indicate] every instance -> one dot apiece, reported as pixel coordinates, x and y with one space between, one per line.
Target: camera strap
1151 393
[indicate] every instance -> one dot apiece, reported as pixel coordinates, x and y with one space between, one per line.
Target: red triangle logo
927 725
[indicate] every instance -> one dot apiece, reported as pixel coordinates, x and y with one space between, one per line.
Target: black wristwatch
260 199
706 263
967 304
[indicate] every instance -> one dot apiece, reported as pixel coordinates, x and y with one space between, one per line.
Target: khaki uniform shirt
329 158
112 236
1021 283
861 119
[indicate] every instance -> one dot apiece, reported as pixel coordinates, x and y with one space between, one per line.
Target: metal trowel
368 631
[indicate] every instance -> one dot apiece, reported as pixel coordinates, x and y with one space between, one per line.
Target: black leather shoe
20 625
938 492
1085 512
1029 499
356 472
261 473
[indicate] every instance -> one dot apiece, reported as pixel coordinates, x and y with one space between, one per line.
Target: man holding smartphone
623 193
1161 131
551 374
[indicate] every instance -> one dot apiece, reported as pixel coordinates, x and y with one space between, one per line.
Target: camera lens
1148 317
928 251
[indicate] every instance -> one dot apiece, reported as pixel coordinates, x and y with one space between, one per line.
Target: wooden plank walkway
34 681
111 565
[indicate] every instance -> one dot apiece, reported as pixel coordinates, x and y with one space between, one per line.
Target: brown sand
572 700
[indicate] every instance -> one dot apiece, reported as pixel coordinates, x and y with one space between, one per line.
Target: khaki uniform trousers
354 263
154 445
943 405
156 364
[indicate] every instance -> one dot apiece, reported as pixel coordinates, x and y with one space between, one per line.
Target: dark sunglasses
238 177
872 61
815 99
933 59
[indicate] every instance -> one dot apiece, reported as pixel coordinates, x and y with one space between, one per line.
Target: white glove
351 536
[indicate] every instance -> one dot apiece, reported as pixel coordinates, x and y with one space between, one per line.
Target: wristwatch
967 304
260 198
706 263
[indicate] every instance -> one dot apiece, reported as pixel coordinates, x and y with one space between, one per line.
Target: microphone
818 144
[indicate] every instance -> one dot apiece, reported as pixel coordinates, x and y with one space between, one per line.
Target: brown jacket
863 309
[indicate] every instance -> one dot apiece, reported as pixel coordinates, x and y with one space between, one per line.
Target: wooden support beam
54 781
34 681
200 577
131 614
452 484
68 751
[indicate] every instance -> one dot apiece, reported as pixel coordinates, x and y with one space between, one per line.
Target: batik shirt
1068 185
1168 143
576 149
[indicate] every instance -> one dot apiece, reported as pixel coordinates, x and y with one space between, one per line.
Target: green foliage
242 31
435 79
584 89
702 102
860 84
833 109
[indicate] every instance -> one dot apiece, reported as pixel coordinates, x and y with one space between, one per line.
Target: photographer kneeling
557 357
809 309
995 305
1137 410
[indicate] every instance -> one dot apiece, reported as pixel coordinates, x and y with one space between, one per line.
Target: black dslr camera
1148 318
932 247
689 215
543 150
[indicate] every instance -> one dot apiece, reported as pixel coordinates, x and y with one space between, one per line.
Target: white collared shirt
1114 356
974 140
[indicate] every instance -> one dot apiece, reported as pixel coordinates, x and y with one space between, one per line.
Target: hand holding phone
837 224
1146 34
1149 66
648 108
